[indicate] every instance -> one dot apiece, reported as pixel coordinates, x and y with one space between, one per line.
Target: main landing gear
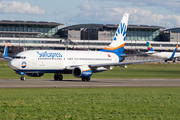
86 79
58 76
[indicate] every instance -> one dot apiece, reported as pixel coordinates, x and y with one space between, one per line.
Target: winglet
5 54
172 56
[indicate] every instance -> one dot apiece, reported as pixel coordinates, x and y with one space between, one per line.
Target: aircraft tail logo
149 47
118 43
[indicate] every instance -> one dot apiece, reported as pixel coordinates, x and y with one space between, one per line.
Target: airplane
81 64
166 55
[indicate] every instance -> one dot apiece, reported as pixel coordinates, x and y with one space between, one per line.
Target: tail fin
5 51
5 54
149 47
117 45
172 56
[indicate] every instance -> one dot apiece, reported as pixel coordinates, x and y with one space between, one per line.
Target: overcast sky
163 13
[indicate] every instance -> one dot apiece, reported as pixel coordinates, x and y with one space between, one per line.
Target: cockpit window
23 57
16 57
19 57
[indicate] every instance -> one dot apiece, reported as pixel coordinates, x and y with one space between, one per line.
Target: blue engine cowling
82 71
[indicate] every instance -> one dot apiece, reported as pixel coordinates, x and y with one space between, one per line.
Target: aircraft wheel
60 77
174 61
55 77
83 79
22 78
88 79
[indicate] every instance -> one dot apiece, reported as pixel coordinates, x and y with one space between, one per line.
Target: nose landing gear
23 78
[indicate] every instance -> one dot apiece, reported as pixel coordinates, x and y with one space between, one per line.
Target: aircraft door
34 59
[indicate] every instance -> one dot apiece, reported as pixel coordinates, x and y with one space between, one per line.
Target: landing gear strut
86 79
23 78
58 76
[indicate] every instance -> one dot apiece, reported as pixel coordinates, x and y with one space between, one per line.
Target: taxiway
77 83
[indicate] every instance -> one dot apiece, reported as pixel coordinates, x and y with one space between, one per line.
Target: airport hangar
26 35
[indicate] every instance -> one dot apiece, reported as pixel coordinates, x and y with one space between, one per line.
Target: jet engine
82 71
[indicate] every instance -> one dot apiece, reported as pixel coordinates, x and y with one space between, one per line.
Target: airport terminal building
26 35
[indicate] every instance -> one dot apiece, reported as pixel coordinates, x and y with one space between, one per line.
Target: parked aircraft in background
167 55
81 64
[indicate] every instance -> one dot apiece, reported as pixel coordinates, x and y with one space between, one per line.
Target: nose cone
13 64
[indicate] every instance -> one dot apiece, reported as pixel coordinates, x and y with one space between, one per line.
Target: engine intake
82 71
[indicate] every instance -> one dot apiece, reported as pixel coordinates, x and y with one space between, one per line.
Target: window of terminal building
49 30
34 28
13 28
41 28
1 28
21 28
29 28
17 27
25 29
9 28
4 27
46 30
139 34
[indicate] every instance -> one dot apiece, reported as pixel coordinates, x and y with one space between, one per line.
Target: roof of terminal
111 26
17 22
134 26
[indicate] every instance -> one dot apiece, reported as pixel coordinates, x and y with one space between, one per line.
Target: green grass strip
90 103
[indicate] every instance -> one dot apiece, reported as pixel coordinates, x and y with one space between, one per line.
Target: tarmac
77 83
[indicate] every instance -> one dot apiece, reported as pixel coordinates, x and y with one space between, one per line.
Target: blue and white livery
81 64
168 56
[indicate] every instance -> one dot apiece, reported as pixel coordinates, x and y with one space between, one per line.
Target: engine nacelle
35 74
82 71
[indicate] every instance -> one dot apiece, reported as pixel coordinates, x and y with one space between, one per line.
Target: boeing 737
81 64
166 55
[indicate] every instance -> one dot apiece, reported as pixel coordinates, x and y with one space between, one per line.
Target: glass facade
31 41
28 30
107 32
143 34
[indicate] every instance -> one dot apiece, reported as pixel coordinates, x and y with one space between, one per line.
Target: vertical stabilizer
149 47
118 43
173 54
5 54
5 50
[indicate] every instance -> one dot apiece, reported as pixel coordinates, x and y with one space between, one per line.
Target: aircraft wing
122 63
128 55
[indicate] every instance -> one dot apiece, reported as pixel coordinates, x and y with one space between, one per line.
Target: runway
77 83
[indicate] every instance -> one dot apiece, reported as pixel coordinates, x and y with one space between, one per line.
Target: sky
164 13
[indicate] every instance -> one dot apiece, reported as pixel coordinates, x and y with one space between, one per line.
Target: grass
137 71
90 103
94 103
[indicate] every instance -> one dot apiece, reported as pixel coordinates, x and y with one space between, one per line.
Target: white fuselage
48 61
165 54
